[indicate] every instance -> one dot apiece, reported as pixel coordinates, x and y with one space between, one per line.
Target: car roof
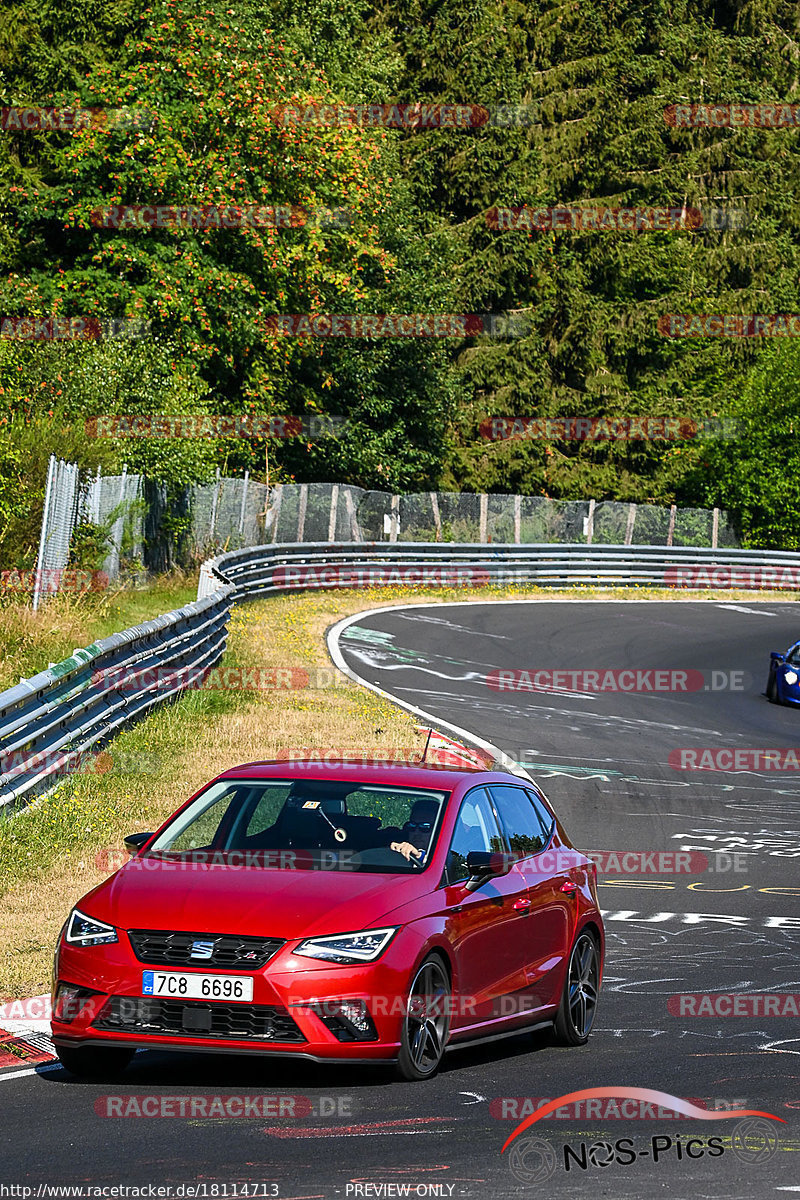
404 774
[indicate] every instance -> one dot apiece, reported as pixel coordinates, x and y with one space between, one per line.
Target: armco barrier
78 705
264 570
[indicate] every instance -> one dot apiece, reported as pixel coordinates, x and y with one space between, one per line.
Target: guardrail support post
673 508
715 529
517 519
484 516
395 519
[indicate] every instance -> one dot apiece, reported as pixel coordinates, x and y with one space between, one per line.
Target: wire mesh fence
234 513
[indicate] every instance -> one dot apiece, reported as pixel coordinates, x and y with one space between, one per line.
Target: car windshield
306 824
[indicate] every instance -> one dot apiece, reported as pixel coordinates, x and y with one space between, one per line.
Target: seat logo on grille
202 950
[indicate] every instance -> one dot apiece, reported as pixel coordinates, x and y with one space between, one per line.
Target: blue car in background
783 685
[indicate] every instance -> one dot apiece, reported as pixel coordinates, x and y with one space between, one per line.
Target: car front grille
163 948
235 1022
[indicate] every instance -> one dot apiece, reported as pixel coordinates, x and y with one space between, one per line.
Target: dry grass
30 640
54 852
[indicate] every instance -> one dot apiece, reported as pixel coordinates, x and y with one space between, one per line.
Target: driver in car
416 833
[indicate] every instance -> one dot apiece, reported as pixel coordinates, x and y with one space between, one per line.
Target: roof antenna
427 743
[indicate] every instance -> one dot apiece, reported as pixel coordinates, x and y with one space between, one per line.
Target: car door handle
569 887
521 905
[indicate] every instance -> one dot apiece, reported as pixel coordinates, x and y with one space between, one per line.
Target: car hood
213 898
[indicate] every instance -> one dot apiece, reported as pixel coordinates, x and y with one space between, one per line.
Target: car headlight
790 677
348 947
88 931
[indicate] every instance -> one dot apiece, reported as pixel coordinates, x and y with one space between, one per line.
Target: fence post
437 516
590 522
43 535
276 508
116 532
93 500
517 519
484 517
395 518
244 501
214 502
301 514
715 529
630 523
671 530
355 532
332 517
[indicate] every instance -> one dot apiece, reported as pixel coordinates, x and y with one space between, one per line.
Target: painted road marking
757 612
407 1125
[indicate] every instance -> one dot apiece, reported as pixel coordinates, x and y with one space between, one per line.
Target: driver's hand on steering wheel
407 850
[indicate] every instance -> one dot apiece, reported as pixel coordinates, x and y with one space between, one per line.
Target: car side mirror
134 842
483 865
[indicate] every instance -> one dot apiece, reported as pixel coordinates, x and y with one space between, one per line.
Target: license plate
180 985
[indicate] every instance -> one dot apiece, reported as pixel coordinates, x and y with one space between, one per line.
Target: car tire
578 1007
426 1023
772 689
94 1062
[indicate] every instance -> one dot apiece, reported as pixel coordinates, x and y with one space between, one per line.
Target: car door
548 891
485 926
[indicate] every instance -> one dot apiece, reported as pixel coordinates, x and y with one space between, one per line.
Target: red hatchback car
336 912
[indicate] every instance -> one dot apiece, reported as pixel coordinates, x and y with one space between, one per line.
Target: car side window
522 825
476 829
793 657
546 818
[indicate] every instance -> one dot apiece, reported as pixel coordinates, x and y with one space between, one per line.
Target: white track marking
756 612
47 1067
335 652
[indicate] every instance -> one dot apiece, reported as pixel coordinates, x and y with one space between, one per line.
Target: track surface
603 761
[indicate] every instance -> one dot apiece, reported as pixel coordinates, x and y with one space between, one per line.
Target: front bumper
291 996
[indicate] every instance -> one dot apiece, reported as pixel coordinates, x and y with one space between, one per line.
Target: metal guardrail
264 570
50 722
80 704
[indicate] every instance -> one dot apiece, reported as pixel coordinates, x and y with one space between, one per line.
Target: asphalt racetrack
611 763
